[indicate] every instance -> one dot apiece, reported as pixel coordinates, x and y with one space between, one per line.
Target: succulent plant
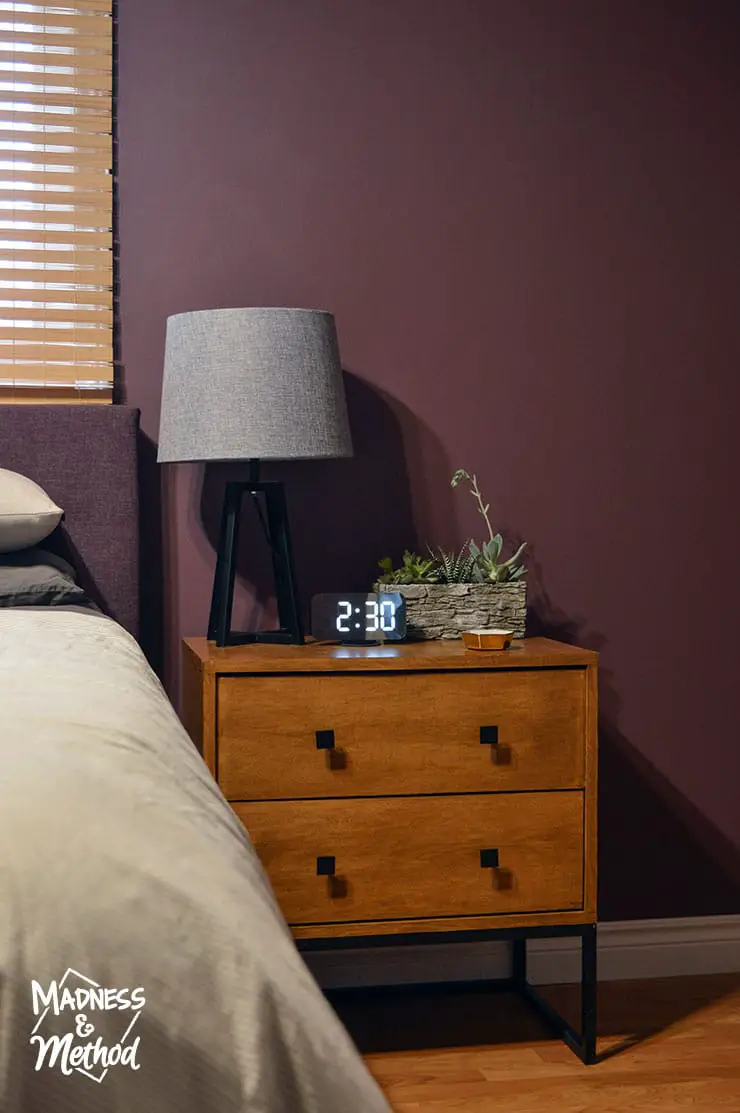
488 566
414 569
472 564
454 568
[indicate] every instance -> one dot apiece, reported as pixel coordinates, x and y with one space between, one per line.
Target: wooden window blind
56 201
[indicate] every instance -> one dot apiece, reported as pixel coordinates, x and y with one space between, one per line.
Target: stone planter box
445 610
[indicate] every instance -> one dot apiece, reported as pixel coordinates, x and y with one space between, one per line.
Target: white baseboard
627 949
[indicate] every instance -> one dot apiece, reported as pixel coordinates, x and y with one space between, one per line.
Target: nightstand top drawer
333 861
294 737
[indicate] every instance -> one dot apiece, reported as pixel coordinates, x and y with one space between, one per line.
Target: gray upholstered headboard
85 458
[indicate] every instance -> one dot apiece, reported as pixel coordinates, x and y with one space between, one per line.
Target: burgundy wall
524 215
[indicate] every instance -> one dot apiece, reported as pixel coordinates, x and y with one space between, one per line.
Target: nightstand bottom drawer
400 858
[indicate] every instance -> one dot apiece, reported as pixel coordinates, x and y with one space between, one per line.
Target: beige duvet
144 966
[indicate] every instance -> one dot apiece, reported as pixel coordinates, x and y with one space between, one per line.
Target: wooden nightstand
419 791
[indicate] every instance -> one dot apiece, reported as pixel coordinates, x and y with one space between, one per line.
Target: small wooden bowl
487 639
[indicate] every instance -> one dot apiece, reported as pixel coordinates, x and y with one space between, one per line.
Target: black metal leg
219 622
289 612
583 1043
218 580
588 993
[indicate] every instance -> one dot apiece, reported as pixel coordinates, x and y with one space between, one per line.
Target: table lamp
252 385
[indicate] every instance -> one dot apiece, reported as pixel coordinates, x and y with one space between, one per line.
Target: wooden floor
665 1046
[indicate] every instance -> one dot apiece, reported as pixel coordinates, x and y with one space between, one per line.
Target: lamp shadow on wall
345 514
659 856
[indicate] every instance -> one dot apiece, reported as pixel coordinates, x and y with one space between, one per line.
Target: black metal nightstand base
582 1043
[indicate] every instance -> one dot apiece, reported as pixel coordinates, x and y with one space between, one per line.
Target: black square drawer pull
489 859
324 739
489 736
326 865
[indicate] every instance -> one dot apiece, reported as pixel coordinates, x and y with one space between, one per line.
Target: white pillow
27 514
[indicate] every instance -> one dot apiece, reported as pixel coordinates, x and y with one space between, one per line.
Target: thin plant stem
481 508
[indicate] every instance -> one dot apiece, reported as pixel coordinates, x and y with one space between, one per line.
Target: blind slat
47 235
54 298
28 114
92 219
59 6
59 206
79 257
80 181
98 45
57 372
29 180
68 131
58 134
82 23
103 6
61 396
75 82
39 334
68 315
80 106
78 60
56 353
83 160
100 277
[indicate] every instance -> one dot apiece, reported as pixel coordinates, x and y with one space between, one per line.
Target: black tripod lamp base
274 521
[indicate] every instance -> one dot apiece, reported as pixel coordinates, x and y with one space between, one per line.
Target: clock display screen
353 617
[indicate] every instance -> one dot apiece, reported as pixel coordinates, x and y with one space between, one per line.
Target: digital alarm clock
359 618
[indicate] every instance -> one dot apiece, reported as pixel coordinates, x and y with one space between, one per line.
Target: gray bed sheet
135 918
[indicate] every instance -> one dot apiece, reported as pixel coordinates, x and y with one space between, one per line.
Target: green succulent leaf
492 549
514 559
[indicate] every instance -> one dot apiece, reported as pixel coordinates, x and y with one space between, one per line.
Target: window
56 201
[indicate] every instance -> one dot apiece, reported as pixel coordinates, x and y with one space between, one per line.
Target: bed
144 964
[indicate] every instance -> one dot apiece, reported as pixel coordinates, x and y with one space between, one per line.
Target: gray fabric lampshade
245 384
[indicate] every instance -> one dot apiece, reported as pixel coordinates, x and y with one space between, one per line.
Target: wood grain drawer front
410 857
400 733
